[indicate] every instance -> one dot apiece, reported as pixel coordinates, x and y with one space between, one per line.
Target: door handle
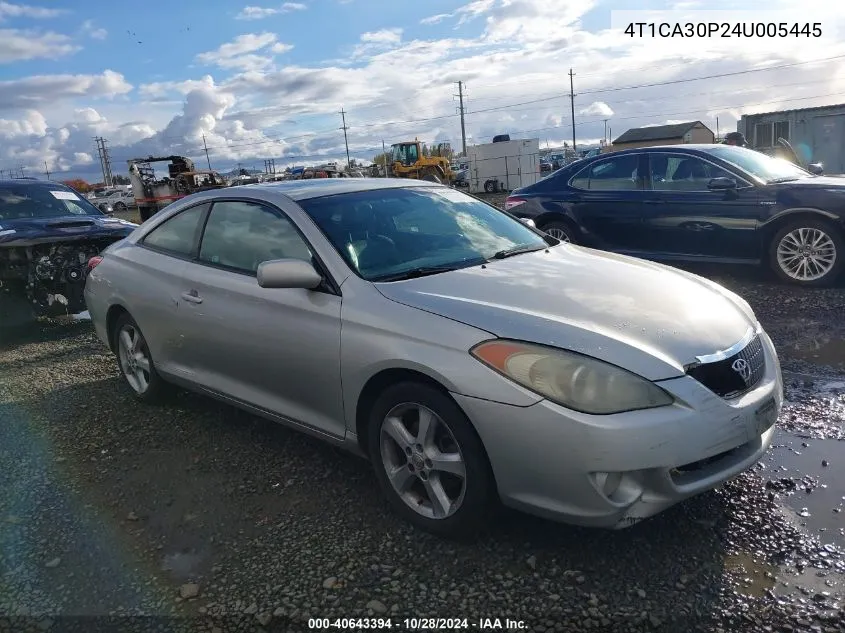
192 297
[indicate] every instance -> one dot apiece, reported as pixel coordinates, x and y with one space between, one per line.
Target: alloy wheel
806 254
559 234
134 358
423 461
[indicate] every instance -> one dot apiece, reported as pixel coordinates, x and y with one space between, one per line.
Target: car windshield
19 202
765 168
387 234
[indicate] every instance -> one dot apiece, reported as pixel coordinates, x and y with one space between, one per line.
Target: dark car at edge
696 203
48 234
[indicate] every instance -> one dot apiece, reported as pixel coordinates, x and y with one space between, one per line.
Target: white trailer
503 166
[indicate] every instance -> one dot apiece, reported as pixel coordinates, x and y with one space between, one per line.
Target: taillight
92 263
514 201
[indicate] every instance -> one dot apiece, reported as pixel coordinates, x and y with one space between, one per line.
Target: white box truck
503 166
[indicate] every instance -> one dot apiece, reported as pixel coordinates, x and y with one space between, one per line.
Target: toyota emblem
742 367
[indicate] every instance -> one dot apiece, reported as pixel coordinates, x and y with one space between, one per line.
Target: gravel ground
193 516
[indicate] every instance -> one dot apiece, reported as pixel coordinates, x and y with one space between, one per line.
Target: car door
607 202
275 349
684 217
155 278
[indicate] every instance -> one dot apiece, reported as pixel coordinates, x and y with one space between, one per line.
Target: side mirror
721 184
815 168
528 221
288 273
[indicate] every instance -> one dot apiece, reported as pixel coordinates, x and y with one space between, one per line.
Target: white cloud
435 19
259 13
20 45
32 124
596 108
11 10
40 90
94 32
242 53
384 36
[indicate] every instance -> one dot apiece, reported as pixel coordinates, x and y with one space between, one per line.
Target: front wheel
429 461
560 231
807 252
119 206
135 361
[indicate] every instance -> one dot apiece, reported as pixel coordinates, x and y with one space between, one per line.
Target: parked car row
472 358
697 203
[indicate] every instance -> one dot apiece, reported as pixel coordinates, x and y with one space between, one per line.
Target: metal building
816 134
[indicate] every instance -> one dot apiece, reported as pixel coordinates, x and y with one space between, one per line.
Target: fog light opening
608 483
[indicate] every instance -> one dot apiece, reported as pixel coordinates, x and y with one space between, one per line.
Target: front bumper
616 470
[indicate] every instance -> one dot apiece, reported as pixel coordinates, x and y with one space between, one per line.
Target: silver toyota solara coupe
470 357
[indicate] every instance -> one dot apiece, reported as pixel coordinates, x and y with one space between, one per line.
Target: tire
472 497
815 248
490 186
155 388
560 230
119 206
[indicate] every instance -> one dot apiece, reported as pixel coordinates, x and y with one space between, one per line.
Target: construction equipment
153 194
411 159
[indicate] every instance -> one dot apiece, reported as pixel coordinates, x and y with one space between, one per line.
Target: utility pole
22 174
718 138
206 152
460 96
46 170
605 130
572 104
345 138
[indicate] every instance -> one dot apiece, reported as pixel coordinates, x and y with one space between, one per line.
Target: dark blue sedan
696 203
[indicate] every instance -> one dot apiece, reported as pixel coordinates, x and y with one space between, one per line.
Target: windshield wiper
774 181
517 250
413 273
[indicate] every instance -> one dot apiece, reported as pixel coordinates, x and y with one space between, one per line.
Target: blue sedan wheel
807 252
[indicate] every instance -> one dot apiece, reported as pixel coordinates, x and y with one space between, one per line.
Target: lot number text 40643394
416 624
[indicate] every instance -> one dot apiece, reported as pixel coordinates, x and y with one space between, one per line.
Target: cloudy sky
266 79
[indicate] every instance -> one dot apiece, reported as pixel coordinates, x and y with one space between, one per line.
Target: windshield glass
19 202
763 167
388 232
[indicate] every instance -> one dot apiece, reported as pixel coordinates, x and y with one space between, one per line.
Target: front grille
735 375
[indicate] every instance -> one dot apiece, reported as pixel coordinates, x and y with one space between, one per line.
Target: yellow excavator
412 159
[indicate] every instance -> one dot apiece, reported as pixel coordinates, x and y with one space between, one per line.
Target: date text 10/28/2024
724 29
416 624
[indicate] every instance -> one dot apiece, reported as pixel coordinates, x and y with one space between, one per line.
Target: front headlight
575 381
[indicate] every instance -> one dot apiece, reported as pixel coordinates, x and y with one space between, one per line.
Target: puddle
754 578
809 477
829 352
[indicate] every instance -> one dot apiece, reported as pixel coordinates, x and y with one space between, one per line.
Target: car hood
646 317
28 231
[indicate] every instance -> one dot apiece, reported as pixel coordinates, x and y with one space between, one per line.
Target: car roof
702 147
32 181
318 187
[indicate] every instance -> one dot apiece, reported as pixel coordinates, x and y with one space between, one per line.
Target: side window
681 172
614 174
242 235
178 234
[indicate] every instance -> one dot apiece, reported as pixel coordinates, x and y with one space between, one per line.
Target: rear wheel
807 252
119 206
135 361
560 231
429 461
